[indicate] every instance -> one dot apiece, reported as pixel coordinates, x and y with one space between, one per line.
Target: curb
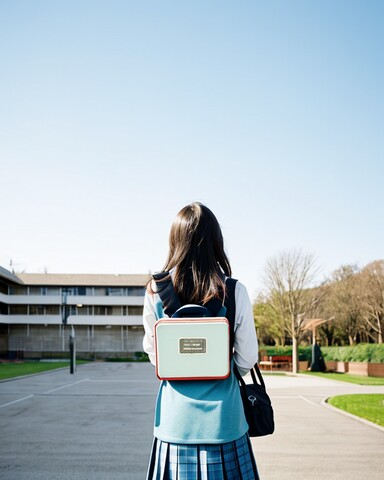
325 403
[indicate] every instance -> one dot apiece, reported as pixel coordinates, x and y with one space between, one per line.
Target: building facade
39 311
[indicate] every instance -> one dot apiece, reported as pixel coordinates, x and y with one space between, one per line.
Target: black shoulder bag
256 402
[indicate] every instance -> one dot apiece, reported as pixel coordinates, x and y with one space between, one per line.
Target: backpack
195 342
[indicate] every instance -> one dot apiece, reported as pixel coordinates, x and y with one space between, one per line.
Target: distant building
104 310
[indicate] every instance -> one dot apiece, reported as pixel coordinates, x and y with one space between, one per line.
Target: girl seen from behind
200 431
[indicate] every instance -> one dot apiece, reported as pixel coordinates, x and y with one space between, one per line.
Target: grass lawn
367 405
346 377
10 370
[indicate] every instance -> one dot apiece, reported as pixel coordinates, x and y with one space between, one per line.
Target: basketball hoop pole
72 336
72 350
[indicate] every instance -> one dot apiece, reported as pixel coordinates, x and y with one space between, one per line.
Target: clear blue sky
115 114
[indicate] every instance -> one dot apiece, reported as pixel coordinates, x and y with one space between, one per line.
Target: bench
276 362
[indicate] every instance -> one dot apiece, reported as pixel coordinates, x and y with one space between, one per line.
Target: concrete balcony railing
71 300
133 320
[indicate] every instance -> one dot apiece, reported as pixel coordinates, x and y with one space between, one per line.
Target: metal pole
72 340
64 312
72 350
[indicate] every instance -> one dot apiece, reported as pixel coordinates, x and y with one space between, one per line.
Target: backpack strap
194 311
230 304
166 292
171 302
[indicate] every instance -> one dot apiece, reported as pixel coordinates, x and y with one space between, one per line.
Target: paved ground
314 442
97 424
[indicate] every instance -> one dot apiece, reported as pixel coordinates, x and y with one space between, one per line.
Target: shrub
363 352
305 353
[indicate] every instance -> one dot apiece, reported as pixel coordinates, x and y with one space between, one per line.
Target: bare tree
289 279
373 297
268 322
345 301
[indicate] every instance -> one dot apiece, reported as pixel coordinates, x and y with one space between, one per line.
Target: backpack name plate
193 345
192 348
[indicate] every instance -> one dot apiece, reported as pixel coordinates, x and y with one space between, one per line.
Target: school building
39 311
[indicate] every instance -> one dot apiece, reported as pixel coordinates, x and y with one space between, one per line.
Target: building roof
85 280
9 276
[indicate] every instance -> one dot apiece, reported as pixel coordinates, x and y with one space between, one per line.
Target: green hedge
363 352
136 357
305 353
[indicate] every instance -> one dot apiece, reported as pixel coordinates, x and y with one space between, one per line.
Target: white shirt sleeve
149 320
246 346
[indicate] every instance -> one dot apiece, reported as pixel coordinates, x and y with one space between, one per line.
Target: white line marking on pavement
65 386
16 401
284 396
309 401
295 397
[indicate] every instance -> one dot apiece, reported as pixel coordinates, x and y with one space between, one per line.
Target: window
84 310
53 290
34 291
36 310
18 309
75 290
3 309
135 310
100 291
136 291
18 290
99 310
3 288
68 310
115 291
44 291
38 291
52 310
107 310
69 290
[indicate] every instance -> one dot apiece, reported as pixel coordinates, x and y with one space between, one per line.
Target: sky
116 114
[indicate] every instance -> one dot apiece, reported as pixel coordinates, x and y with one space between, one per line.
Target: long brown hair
196 255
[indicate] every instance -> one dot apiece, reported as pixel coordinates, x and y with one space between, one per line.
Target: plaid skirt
226 461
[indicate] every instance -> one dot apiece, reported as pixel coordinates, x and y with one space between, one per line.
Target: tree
345 302
373 298
268 322
289 279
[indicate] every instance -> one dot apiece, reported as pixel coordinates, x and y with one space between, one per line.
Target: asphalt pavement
313 441
97 424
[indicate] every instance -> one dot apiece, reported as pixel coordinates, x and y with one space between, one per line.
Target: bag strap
255 371
196 311
230 304
171 302
166 292
231 315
